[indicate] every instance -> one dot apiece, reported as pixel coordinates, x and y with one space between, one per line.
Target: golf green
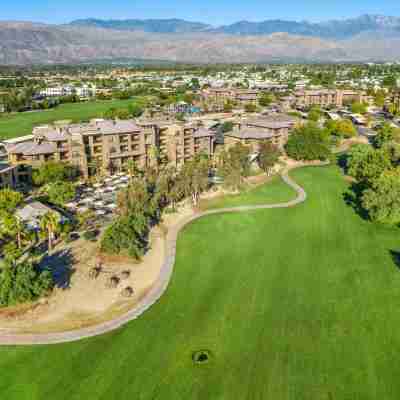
19 124
274 191
297 303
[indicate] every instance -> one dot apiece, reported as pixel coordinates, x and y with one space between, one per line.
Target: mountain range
334 29
367 38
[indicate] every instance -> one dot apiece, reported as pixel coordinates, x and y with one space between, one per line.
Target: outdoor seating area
100 197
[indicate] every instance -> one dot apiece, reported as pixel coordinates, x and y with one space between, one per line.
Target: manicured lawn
293 304
274 191
19 124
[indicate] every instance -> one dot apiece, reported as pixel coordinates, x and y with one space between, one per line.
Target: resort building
13 176
328 97
252 132
246 96
107 146
219 96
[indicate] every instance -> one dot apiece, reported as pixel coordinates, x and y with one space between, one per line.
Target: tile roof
277 121
105 127
251 133
32 148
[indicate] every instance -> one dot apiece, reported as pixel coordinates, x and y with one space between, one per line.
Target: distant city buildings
328 97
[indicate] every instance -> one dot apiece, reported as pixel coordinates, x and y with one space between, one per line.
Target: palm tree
50 223
13 226
132 168
156 157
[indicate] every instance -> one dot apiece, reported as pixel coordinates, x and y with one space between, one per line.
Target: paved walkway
158 288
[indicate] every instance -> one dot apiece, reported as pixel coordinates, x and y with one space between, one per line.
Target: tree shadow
342 162
353 198
59 264
395 257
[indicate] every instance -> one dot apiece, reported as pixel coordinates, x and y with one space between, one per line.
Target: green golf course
274 191
288 304
19 124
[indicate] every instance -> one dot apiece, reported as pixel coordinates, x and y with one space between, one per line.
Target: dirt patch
81 301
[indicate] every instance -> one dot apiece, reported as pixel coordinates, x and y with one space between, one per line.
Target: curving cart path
159 287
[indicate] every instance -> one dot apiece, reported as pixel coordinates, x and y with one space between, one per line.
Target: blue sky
215 12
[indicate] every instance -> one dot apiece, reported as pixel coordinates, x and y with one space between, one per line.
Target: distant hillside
147 25
340 29
335 29
24 43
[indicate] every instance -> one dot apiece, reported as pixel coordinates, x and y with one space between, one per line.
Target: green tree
366 164
14 227
194 178
10 200
135 110
268 156
314 114
265 99
358 108
308 142
137 199
110 113
382 200
127 235
390 81
132 169
22 282
343 128
11 253
379 98
61 193
235 166
386 133
51 172
123 114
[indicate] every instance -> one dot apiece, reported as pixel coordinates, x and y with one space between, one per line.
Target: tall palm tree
50 223
132 169
13 226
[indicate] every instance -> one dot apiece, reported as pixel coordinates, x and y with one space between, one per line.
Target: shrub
22 283
90 236
10 200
